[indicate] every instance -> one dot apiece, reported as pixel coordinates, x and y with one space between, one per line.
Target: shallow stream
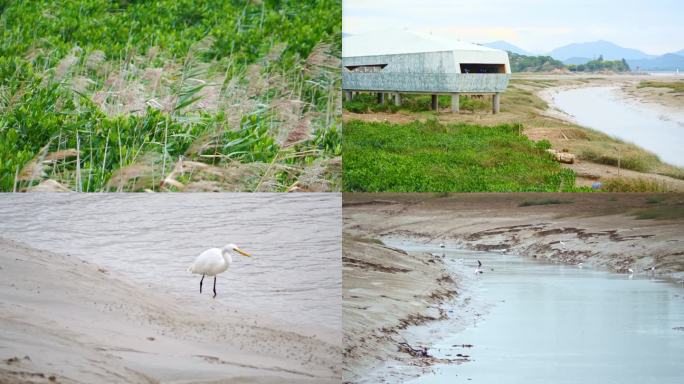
605 109
552 323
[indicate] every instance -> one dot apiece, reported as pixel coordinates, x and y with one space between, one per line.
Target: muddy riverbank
612 232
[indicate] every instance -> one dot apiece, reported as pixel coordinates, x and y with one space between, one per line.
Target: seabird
479 265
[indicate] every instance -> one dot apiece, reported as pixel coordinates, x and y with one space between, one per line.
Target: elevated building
400 62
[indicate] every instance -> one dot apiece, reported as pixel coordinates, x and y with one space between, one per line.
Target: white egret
214 261
630 270
580 265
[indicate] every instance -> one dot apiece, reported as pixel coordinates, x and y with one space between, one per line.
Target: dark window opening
366 68
483 68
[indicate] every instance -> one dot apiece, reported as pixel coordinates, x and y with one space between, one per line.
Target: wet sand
599 230
66 320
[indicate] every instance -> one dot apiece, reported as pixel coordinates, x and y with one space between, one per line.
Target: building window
366 68
483 68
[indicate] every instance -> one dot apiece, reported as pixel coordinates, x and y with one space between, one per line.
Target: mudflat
66 320
388 290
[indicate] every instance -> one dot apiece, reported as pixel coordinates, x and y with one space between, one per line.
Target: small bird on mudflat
479 265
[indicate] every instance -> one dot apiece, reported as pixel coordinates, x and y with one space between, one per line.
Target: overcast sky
653 26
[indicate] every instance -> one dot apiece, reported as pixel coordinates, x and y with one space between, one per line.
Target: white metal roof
396 42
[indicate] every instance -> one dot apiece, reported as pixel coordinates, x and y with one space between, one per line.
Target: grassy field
368 103
101 95
677 87
433 157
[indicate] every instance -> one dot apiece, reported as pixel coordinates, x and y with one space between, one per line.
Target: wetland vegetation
100 95
434 157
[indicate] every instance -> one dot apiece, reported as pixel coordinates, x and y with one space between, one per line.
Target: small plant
528 203
660 213
655 199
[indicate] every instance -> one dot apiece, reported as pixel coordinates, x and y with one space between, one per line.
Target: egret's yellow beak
240 251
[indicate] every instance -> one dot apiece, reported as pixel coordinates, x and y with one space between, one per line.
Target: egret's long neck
226 256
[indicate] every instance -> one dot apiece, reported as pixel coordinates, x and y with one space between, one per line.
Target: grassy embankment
672 86
429 156
521 105
102 95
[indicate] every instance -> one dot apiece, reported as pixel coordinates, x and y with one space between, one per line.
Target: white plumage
214 261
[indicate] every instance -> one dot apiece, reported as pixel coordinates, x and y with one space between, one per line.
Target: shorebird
479 265
441 245
214 261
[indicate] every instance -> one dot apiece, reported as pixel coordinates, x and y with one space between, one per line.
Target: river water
294 278
603 109
552 323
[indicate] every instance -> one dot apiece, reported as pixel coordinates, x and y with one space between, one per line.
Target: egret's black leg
214 286
201 283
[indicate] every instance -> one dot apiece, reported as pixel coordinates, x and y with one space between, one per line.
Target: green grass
673 86
655 199
368 103
433 157
131 89
660 213
621 184
528 203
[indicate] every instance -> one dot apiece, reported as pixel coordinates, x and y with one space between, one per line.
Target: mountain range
580 53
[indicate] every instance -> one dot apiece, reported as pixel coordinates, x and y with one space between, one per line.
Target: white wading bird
214 261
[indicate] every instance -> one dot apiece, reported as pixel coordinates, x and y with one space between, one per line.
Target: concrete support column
455 103
495 103
381 98
348 95
397 99
434 103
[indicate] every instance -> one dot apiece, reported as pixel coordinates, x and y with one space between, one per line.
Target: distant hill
666 62
506 46
610 51
523 63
